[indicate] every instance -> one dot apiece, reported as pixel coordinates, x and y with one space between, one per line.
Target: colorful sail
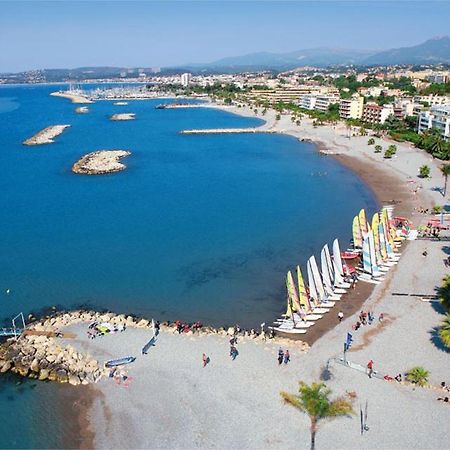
302 293
376 238
292 291
382 240
363 221
367 266
373 260
357 236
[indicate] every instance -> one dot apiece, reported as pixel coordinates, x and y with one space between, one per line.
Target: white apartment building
438 118
403 108
317 101
186 79
351 108
433 100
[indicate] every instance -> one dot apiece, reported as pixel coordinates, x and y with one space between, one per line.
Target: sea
198 227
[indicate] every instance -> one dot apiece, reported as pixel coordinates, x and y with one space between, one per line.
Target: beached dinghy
328 273
120 361
370 271
288 331
311 311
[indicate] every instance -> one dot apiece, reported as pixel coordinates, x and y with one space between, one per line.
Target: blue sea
198 227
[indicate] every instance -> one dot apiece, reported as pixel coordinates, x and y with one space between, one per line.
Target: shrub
424 172
437 209
371 141
418 375
389 153
378 148
278 117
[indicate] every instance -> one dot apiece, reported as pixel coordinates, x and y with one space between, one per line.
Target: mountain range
432 51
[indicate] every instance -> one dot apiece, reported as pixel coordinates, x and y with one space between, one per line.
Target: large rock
52 375
143 323
44 374
50 358
61 376
74 380
35 365
6 365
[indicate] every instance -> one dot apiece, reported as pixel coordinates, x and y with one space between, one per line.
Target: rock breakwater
101 162
123 116
46 136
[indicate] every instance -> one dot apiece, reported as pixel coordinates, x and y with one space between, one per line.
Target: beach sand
173 402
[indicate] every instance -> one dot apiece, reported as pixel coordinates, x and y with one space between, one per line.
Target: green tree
314 400
443 292
371 141
424 172
278 117
418 375
444 331
445 170
378 148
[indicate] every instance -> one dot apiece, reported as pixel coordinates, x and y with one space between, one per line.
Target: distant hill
433 51
436 50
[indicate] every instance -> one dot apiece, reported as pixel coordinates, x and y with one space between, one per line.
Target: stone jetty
101 162
74 96
228 131
123 116
46 136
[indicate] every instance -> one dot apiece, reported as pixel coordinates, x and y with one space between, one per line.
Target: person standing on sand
280 356
370 368
381 317
287 356
205 360
340 316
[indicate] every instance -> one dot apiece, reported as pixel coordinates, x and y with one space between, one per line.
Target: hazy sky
63 33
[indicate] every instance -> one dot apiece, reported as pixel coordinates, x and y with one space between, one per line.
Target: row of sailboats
376 244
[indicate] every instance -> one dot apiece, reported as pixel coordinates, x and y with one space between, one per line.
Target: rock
5 366
35 365
143 323
74 380
61 376
230 331
52 375
50 358
43 374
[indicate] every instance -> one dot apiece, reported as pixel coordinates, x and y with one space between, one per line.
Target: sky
76 33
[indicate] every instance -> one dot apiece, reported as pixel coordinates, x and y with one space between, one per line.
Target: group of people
283 356
366 318
183 327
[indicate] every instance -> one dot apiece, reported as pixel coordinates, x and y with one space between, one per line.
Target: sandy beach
172 401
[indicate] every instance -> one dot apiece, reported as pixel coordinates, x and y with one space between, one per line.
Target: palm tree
445 170
444 331
418 375
314 400
443 292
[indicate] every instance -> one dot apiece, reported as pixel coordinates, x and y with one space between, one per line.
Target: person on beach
287 357
205 360
280 356
370 317
381 317
233 352
398 378
340 316
370 368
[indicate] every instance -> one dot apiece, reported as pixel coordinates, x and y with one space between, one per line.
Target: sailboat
370 271
327 273
356 231
338 266
312 312
316 287
363 221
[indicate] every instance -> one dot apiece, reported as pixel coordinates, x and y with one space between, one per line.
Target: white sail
326 275
317 278
337 260
367 265
312 285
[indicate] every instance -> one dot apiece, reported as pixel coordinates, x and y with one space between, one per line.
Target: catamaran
328 273
316 288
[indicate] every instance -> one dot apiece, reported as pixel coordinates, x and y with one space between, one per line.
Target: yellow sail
363 221
357 235
303 295
292 297
376 236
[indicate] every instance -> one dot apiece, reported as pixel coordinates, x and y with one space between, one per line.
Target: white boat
338 267
318 283
328 273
